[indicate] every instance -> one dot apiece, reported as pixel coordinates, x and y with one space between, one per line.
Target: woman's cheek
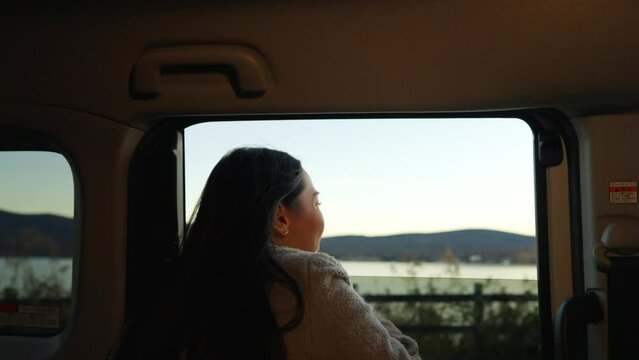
321 216
320 222
320 230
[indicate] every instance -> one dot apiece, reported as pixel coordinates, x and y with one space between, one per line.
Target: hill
466 245
35 235
50 235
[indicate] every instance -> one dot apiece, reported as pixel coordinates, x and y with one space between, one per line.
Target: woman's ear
281 222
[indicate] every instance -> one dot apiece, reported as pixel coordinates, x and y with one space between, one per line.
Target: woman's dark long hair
217 306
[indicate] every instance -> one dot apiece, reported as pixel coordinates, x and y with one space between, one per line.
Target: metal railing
478 298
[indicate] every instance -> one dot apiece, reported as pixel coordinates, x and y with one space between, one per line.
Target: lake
377 277
440 270
369 277
27 275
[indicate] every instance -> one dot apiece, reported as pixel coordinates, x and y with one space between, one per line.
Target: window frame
166 140
14 138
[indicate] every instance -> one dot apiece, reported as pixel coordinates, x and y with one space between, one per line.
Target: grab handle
252 74
573 316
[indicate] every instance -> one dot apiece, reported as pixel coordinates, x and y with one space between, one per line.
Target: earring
285 232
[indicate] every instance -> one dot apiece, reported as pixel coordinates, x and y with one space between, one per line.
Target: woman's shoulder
315 263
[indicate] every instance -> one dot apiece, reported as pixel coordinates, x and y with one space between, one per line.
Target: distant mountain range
35 235
50 235
462 245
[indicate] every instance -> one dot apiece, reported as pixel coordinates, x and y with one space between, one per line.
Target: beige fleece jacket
338 323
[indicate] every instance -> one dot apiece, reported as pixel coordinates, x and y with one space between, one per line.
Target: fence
478 298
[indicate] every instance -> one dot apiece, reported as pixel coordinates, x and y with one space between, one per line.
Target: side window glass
434 220
37 242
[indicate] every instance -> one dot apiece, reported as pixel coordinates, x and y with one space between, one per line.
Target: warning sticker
29 316
623 192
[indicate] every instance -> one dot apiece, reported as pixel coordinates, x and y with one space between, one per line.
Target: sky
375 176
392 176
36 182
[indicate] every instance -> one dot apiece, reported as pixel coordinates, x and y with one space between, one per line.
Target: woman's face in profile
304 220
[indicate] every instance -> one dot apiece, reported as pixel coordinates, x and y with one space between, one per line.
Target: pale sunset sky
375 177
390 176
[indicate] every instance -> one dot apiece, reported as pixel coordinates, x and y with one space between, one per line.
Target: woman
251 283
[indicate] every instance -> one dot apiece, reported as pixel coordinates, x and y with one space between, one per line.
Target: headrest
621 236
